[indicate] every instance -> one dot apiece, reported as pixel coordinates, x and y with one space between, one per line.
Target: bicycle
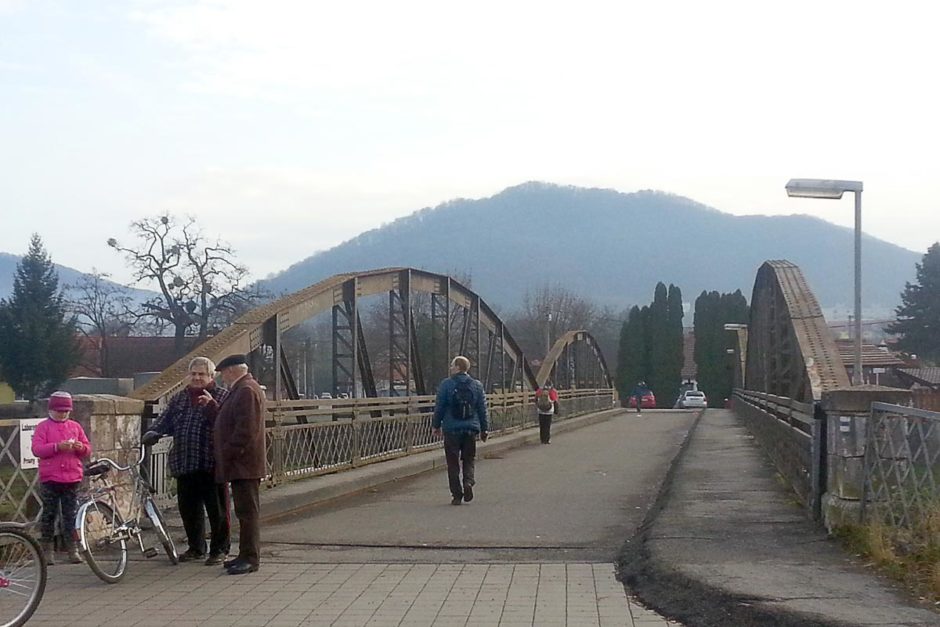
102 529
22 574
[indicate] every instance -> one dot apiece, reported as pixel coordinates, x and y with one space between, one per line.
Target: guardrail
793 438
306 438
310 438
902 465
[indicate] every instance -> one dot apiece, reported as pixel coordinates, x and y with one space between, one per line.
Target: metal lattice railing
902 464
19 487
309 438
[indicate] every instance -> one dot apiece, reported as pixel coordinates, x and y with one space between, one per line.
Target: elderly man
192 462
460 412
240 455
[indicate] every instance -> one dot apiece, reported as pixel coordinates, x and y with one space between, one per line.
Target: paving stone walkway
345 595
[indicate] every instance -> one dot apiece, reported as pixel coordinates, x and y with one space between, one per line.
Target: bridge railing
307 438
793 439
902 465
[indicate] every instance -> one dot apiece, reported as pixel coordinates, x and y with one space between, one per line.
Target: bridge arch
574 361
459 322
790 349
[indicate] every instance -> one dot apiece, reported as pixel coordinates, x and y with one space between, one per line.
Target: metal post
857 370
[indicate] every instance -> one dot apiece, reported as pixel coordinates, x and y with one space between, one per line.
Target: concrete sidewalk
728 545
295 497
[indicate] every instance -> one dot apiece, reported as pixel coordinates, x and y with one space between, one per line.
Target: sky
289 126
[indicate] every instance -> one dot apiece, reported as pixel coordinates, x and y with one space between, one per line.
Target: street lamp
819 188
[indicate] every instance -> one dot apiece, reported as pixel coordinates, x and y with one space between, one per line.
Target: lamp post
820 188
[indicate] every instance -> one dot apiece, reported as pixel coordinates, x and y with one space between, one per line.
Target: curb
298 496
685 599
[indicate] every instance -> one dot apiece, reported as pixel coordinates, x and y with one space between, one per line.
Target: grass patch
910 555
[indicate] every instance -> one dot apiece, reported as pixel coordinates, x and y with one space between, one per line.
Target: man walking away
460 412
240 455
192 462
546 402
639 391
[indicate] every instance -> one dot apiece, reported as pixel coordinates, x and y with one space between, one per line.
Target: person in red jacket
60 445
546 402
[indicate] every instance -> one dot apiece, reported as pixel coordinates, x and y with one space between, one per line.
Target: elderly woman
192 462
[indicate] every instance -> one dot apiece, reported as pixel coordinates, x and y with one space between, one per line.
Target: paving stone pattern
345 595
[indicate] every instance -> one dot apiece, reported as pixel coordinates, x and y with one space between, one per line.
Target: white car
693 399
326 395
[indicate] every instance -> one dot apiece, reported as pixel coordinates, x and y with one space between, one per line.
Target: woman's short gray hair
203 361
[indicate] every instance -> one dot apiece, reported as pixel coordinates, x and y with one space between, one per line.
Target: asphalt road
578 499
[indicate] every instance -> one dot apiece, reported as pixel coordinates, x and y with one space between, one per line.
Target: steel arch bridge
790 352
458 322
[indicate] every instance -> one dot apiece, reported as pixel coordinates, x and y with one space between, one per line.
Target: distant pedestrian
639 391
546 403
192 463
460 412
238 440
60 444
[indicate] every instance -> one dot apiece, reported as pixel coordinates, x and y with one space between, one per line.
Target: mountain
67 276
612 247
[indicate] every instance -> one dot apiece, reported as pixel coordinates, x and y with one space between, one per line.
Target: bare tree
547 314
102 310
200 283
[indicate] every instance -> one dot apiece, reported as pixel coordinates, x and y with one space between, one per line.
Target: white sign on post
27 428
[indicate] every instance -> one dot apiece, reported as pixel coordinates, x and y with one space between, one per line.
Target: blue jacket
444 408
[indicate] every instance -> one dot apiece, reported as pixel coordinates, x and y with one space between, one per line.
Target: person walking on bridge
460 412
546 403
639 391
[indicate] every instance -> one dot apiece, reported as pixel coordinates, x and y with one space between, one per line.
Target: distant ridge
67 276
611 247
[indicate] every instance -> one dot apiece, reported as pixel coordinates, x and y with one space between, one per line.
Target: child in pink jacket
60 444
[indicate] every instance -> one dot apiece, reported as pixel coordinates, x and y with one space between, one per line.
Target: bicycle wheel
100 541
22 576
159 527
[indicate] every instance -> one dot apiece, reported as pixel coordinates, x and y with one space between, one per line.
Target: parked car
693 399
647 401
326 395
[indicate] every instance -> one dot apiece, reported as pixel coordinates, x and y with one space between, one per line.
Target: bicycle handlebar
113 464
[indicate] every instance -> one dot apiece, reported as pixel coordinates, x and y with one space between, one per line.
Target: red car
647 401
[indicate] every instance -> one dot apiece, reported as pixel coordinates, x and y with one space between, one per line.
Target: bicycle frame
102 516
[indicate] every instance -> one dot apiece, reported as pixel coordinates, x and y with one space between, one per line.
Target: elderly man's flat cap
231 360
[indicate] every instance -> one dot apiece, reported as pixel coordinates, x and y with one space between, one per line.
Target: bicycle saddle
96 468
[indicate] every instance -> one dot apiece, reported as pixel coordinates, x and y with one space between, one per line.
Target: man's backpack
463 399
544 400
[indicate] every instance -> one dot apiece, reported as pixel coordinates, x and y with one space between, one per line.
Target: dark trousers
545 428
460 446
198 497
245 494
55 495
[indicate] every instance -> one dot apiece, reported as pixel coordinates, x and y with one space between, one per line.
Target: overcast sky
288 126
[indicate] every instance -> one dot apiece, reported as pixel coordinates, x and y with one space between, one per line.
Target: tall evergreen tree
38 346
715 370
918 315
659 360
633 359
675 343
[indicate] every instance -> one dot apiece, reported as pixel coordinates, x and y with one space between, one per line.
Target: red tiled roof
128 355
689 369
872 356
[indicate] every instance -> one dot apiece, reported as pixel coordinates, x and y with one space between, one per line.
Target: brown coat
238 435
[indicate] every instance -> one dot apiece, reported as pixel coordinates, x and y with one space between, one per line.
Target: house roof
924 376
128 356
872 356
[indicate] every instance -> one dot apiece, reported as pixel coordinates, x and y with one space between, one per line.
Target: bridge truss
430 318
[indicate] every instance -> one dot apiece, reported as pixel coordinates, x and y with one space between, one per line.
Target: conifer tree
918 315
38 346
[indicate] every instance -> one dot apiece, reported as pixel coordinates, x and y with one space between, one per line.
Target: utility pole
548 335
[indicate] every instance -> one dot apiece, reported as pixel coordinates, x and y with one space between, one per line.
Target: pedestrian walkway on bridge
721 543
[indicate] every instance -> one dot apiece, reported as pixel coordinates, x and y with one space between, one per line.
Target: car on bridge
647 401
692 399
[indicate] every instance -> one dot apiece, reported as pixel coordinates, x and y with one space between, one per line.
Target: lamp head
821 188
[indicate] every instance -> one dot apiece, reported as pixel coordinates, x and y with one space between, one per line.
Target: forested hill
67 277
610 247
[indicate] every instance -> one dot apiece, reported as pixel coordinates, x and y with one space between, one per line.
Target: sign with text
27 428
